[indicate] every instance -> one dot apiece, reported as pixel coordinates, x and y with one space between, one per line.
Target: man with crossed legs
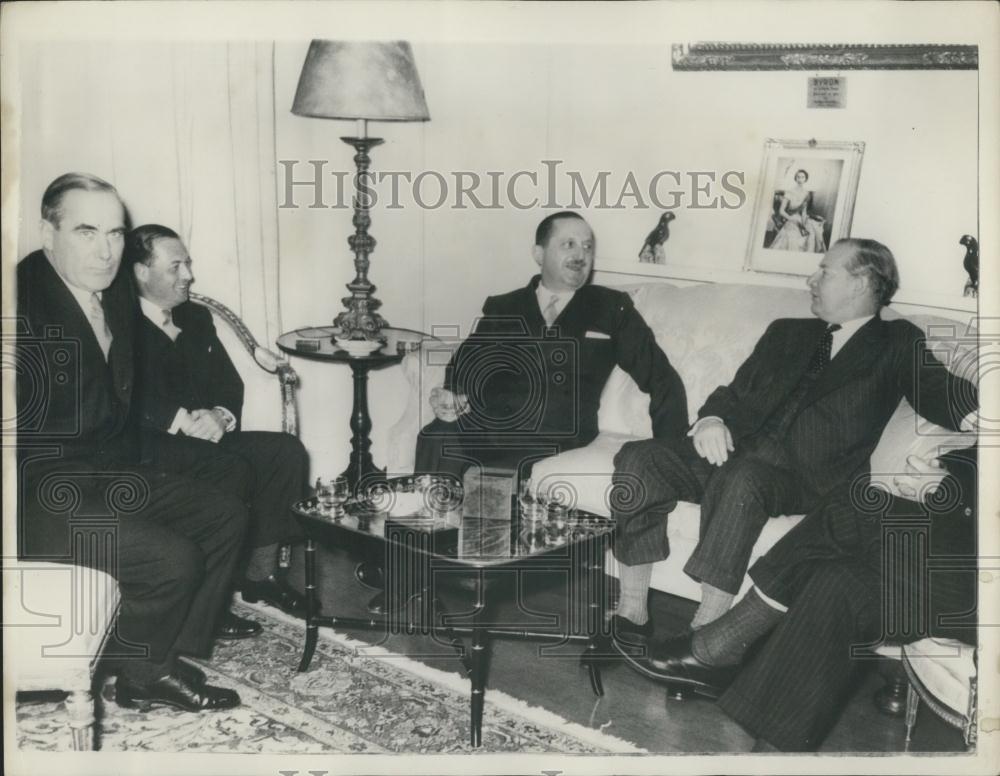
800 419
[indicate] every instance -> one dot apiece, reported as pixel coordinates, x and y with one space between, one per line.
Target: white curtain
186 133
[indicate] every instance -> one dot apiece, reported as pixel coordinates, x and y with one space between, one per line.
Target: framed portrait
804 202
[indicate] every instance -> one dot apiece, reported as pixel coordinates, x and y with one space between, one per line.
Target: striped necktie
100 326
550 313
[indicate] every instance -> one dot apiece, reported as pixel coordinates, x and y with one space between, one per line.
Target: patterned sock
262 563
634 592
723 642
714 604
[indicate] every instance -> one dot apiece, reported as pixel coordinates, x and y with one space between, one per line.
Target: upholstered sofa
706 330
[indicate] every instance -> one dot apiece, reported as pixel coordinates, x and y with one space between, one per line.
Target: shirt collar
545 295
152 311
81 295
848 328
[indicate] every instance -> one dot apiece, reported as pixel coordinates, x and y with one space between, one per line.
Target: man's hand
206 424
921 478
713 441
448 406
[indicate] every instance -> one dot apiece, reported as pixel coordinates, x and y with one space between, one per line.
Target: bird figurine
971 264
652 249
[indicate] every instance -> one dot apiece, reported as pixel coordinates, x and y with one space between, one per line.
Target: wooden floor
632 707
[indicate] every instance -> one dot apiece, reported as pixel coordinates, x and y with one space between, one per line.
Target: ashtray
358 347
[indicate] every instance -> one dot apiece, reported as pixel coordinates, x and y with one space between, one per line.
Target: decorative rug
349 701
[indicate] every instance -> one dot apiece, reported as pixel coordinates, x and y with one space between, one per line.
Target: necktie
167 318
821 356
550 313
100 326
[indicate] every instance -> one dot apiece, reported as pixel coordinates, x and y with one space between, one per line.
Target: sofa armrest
425 371
253 361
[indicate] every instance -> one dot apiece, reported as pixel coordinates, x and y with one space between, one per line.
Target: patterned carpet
346 702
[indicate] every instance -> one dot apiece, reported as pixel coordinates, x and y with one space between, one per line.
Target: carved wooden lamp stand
361 81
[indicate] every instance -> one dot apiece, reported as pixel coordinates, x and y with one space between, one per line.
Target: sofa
706 330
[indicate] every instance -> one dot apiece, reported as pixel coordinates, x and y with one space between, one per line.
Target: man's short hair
52 198
544 229
139 243
872 258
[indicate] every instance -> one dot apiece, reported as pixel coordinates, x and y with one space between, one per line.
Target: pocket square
597 335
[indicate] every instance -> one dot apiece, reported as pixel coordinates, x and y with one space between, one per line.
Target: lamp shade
370 80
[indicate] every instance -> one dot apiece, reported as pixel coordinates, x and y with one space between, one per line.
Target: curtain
185 131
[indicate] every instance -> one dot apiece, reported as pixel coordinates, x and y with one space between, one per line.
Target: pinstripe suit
796 439
831 572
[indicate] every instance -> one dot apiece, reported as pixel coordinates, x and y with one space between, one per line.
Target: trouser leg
793 689
650 477
279 467
738 500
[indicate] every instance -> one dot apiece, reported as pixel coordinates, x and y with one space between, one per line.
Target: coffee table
418 542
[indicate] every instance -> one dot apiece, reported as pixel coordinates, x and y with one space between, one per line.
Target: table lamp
361 81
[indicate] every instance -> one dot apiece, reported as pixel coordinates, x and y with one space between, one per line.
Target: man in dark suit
527 382
861 569
800 418
191 397
171 539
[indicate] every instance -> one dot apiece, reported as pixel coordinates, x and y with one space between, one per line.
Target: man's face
167 279
837 295
86 247
568 257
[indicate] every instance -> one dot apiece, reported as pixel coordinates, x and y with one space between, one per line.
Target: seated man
799 420
190 388
828 594
527 383
170 538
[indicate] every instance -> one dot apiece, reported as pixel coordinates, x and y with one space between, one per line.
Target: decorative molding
827 56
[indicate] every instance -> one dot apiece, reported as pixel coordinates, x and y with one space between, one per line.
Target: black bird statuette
971 264
652 249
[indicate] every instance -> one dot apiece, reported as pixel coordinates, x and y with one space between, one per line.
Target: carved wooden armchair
57 617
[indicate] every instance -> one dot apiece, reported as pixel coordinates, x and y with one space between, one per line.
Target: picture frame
804 203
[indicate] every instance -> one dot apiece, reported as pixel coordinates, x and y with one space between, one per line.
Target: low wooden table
416 546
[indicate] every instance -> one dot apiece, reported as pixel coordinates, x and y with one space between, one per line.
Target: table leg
479 663
360 467
312 628
592 575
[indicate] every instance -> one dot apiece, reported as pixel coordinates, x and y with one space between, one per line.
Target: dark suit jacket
839 422
194 371
523 377
73 407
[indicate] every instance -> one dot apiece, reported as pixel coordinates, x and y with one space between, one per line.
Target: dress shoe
673 662
275 592
233 628
174 691
627 636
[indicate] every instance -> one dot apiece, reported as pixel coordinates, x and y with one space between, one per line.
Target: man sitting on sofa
527 383
800 418
191 389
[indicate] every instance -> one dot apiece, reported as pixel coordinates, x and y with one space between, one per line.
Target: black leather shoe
672 662
232 628
275 592
174 691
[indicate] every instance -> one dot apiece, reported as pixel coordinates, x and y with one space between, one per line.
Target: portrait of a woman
799 228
